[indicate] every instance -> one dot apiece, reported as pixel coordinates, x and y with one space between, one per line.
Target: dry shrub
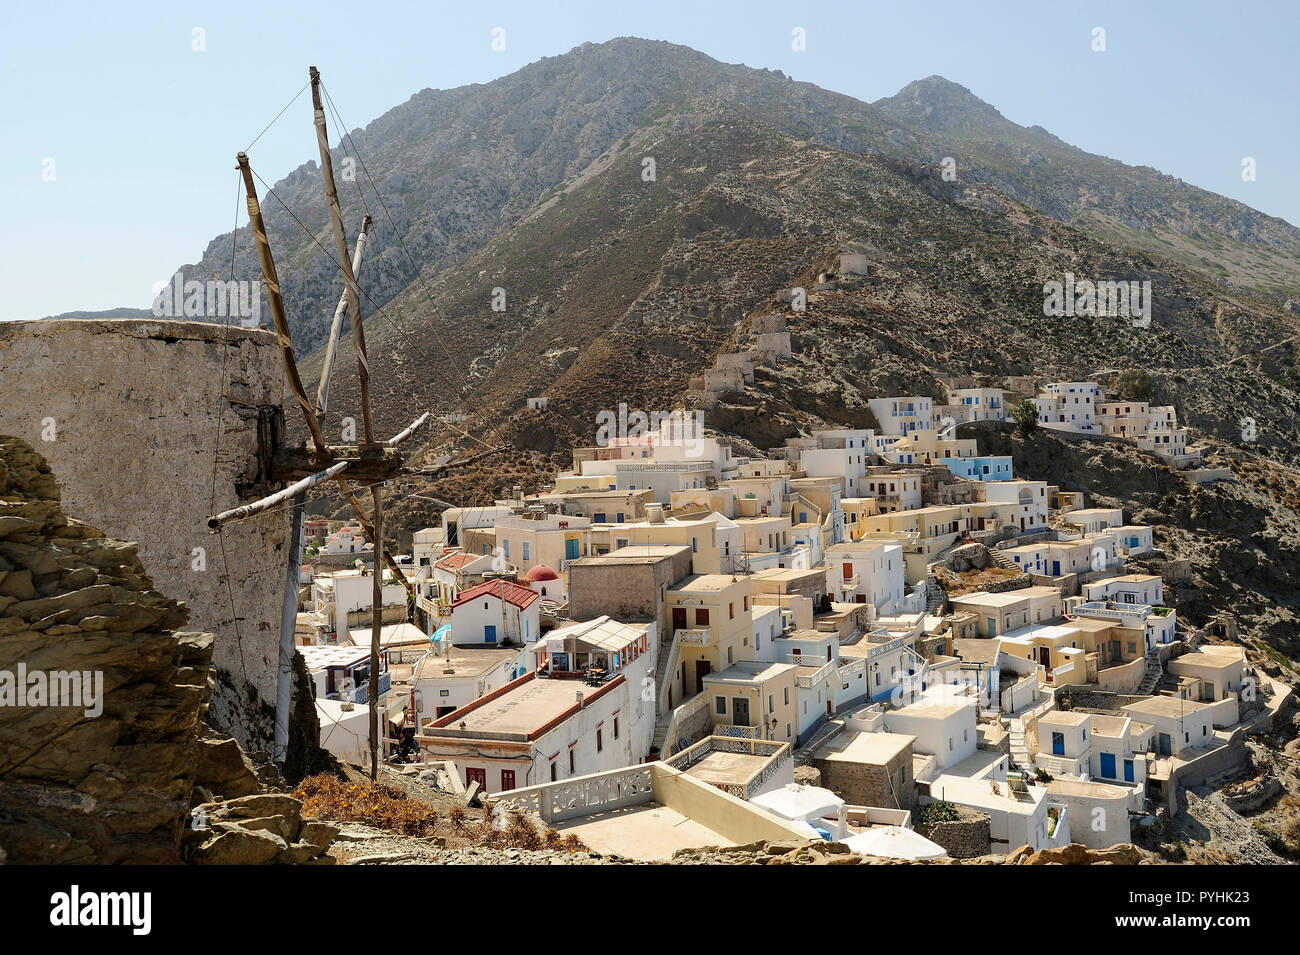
327 797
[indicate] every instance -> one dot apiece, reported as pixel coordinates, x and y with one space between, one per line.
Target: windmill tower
369 462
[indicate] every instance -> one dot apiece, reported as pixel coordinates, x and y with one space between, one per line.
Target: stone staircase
1002 560
666 656
1155 672
935 598
1019 751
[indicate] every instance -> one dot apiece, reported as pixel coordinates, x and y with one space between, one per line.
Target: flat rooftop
976 649
698 583
648 832
464 662
1214 657
635 554
982 598
1166 706
931 709
1077 787
322 658
788 573
1065 718
871 749
522 710
727 769
748 670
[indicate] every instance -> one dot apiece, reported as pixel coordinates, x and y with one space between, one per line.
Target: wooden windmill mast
301 469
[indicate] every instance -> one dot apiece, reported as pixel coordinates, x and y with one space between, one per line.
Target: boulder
240 847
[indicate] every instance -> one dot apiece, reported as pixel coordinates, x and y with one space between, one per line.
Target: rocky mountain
456 168
1136 205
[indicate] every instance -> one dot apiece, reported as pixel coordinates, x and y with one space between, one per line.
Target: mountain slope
1136 205
457 167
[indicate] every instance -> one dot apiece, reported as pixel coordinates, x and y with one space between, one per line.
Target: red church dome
539 573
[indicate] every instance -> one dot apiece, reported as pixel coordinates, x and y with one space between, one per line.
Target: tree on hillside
1135 385
1025 415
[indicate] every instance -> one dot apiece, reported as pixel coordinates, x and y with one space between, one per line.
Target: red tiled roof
456 561
521 597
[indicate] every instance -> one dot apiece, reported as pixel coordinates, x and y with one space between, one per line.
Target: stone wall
104 776
966 837
863 784
127 413
627 589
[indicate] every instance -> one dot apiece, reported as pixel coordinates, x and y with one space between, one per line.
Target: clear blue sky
142 129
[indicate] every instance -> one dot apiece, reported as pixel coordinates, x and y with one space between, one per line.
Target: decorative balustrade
736 732
852 668
823 673
584 795
361 694
679 716
779 754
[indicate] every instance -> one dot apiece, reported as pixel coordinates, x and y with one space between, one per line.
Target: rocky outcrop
836 853
101 696
258 829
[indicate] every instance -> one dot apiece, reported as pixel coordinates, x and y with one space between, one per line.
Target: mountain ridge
457 166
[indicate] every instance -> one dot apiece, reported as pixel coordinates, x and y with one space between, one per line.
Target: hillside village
715 470
875 637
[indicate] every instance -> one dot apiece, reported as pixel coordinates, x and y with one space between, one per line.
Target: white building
866 571
496 612
899 416
1069 406
543 729
341 592
943 722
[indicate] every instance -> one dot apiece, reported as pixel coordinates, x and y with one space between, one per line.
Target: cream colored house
754 694
1000 613
712 621
1219 671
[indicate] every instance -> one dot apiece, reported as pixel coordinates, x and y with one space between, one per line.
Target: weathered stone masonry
127 413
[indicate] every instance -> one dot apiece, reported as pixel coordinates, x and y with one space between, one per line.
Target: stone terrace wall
126 412
966 837
76 785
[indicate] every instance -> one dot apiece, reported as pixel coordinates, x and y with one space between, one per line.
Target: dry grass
327 797
388 808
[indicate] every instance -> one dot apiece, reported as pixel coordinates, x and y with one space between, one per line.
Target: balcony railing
823 673
698 637
777 755
361 694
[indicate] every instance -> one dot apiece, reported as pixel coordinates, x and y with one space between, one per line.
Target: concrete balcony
697 637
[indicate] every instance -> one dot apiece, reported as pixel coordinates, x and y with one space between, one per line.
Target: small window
701 616
572 762
720 705
600 740
616 727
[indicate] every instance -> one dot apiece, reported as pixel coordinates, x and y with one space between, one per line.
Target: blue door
571 549
1056 568
1128 770
1108 765
490 634
1058 744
